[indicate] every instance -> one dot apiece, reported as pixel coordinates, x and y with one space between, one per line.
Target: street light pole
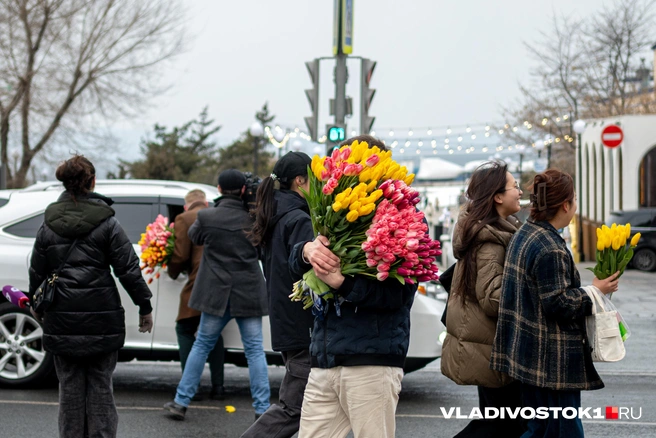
256 131
579 128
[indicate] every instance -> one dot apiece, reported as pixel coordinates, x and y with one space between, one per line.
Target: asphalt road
141 388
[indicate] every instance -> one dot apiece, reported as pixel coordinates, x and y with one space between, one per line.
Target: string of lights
494 136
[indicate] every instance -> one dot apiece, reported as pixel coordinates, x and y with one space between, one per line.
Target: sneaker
218 393
257 416
177 411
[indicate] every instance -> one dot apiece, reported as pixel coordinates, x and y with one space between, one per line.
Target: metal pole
580 178
340 89
255 147
341 76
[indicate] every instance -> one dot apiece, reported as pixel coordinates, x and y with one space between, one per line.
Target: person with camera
84 326
229 285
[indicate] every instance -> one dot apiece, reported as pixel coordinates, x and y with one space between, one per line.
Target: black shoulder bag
45 294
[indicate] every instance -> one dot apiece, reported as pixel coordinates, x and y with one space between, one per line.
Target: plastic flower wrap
361 200
614 250
157 246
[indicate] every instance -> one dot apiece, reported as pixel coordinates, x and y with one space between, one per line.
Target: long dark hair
486 181
77 174
284 173
551 189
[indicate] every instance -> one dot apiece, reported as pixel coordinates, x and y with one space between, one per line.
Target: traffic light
336 134
312 122
366 95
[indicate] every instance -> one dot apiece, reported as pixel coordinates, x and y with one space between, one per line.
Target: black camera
250 194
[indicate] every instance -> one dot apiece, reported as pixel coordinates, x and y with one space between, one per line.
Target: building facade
620 178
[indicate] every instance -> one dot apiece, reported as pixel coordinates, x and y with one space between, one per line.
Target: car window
26 227
3 201
171 207
642 219
134 217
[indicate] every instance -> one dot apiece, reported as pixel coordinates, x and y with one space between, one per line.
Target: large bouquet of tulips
614 250
361 200
157 246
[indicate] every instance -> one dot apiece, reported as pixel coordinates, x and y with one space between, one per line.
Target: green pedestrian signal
336 134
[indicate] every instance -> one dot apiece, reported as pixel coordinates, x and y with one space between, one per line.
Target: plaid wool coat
541 338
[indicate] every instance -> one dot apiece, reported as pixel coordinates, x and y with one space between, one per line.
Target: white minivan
137 203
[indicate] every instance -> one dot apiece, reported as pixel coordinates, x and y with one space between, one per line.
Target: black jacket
86 316
374 326
291 326
229 271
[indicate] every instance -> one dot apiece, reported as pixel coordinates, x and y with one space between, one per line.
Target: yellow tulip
352 216
616 243
409 179
366 209
608 236
604 227
392 170
600 235
614 226
355 206
600 245
372 185
627 230
366 174
337 206
635 239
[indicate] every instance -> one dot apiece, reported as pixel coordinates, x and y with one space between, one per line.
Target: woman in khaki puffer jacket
480 239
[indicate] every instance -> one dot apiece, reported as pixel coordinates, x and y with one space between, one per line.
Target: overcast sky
439 62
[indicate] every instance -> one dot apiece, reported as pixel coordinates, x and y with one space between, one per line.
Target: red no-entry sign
612 136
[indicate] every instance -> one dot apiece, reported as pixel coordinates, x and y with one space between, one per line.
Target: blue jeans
535 397
209 330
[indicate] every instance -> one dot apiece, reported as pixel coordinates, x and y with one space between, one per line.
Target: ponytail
264 210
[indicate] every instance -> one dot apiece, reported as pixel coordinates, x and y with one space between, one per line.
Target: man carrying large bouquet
358 347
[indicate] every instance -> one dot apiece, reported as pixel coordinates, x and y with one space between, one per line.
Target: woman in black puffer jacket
85 327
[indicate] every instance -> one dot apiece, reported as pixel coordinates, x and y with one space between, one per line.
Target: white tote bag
603 330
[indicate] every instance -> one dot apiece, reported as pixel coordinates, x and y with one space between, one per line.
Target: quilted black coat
372 328
86 316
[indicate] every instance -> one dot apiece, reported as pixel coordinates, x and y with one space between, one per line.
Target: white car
137 203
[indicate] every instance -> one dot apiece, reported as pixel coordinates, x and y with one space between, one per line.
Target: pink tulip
372 160
346 153
383 267
412 244
382 276
403 272
388 258
371 263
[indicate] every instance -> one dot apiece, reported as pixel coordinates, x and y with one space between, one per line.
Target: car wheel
23 361
645 260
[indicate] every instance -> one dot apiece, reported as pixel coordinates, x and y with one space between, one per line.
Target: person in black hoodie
358 348
84 327
282 219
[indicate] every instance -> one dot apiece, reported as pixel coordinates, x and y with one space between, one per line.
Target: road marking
136 408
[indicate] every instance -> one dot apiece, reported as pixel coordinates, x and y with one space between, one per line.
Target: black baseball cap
231 179
291 165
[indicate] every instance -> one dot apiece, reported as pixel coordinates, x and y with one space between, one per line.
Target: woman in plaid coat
541 339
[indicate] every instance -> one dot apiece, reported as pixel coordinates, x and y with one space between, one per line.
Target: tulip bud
601 244
635 239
